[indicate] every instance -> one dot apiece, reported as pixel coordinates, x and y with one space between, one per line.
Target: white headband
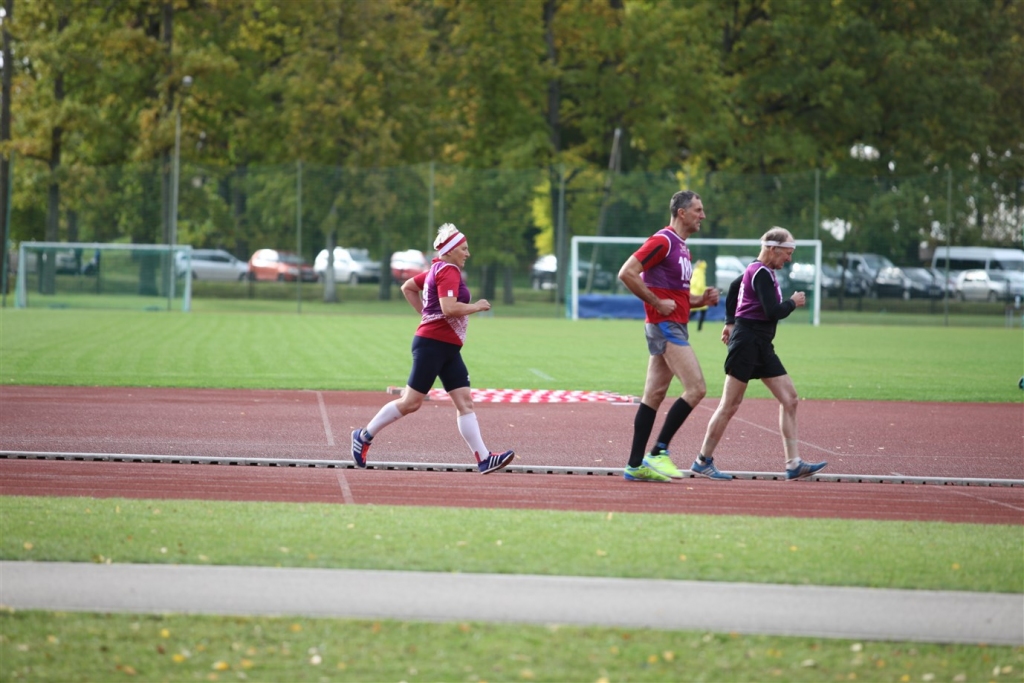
454 240
772 243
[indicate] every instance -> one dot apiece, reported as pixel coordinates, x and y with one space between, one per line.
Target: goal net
104 275
596 292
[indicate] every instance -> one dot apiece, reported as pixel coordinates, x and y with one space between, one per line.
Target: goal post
591 257
103 275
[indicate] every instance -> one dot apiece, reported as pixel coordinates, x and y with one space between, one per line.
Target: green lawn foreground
370 353
80 647
71 647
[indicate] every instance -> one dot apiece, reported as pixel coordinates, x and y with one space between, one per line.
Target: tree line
693 90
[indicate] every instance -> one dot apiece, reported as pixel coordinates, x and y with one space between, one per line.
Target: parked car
407 264
350 265
834 279
983 285
907 283
929 286
801 277
978 258
74 262
212 264
271 264
727 269
868 265
896 282
545 269
939 276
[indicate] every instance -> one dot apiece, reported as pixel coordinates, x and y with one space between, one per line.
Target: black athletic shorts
751 356
432 359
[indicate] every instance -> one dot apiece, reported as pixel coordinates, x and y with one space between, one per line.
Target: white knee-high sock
385 416
470 430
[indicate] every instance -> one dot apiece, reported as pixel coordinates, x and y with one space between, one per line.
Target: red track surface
978 441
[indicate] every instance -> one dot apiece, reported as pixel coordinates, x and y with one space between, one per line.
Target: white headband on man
454 240
773 243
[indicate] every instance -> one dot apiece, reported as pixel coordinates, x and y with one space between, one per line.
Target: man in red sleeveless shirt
659 274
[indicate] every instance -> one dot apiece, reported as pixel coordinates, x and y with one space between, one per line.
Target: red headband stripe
454 240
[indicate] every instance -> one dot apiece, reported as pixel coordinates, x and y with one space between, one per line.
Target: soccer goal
725 259
104 275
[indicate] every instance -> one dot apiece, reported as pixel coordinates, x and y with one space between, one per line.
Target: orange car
271 264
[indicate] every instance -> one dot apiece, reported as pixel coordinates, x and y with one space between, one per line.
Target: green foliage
744 101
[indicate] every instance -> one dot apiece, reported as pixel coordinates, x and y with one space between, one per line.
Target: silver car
350 265
990 285
213 264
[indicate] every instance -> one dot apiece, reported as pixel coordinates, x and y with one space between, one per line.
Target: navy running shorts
432 359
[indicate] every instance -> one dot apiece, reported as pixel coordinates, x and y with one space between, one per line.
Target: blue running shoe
708 469
644 473
804 470
495 461
360 445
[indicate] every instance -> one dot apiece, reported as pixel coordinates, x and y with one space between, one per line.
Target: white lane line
541 374
346 492
988 500
323 416
775 430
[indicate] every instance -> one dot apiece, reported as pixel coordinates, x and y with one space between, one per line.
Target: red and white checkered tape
530 396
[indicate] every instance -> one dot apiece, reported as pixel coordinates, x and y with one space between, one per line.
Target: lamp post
175 173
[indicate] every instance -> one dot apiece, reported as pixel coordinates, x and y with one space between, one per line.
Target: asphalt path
808 611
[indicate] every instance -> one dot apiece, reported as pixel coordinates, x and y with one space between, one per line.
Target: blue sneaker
708 469
360 445
804 470
495 461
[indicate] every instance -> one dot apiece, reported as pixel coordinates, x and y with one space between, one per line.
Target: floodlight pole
298 234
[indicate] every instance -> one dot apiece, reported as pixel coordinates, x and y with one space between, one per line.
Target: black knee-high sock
643 423
677 414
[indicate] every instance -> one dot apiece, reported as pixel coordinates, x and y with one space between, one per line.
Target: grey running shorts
660 334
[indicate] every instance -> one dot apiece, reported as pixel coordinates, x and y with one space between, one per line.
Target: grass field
360 352
368 352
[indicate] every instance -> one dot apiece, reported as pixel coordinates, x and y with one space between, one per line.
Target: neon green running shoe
663 465
643 473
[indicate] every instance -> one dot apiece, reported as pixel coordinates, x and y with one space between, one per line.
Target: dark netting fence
512 218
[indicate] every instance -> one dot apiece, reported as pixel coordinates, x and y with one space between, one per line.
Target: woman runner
443 300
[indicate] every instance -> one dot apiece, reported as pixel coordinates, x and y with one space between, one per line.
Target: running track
53 439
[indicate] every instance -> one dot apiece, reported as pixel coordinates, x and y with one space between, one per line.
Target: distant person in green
753 308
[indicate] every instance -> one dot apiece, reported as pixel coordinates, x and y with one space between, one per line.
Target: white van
978 258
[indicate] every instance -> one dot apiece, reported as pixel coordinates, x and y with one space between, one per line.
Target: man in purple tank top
753 308
658 273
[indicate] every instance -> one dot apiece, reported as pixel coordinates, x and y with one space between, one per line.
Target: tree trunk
5 136
166 171
53 189
555 134
509 297
330 286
